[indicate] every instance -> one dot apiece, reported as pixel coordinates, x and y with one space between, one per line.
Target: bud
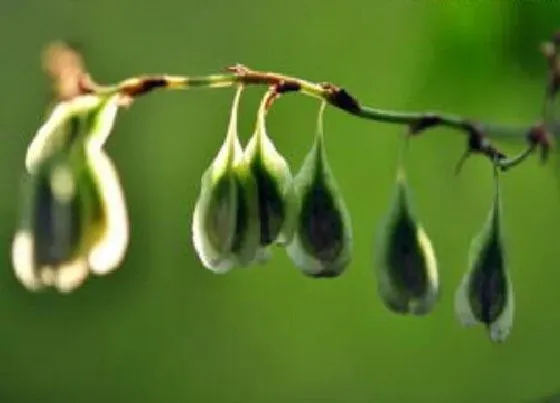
224 226
274 185
74 219
407 272
485 294
322 241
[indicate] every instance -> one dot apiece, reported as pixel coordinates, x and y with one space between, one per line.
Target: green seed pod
322 242
87 117
485 294
245 247
273 182
74 219
224 226
407 271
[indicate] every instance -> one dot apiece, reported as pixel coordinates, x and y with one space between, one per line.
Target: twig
477 132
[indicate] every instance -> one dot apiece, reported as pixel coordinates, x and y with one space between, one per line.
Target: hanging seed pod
74 219
407 272
322 242
87 118
245 246
224 226
485 294
273 182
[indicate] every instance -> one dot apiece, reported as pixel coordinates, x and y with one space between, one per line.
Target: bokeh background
164 329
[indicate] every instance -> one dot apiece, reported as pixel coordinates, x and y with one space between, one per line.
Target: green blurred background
164 329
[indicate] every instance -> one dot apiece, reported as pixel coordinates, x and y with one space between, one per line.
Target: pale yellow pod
73 216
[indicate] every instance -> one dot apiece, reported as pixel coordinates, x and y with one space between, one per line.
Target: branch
477 132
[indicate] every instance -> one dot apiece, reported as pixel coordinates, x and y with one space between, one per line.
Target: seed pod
322 242
224 226
245 248
273 182
74 220
107 253
485 294
407 268
87 117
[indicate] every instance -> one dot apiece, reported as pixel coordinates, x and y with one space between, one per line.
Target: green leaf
322 242
485 294
407 273
274 184
224 226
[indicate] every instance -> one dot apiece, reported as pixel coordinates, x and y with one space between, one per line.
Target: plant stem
335 96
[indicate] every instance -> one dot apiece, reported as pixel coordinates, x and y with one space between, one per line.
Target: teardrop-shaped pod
74 218
274 183
485 294
322 242
222 212
407 274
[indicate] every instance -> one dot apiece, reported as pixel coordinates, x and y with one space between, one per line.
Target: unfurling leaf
274 185
407 271
485 294
224 227
74 219
322 242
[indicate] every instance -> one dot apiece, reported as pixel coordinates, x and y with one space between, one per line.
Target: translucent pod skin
407 271
246 248
321 246
70 226
87 118
485 294
74 219
224 226
274 186
215 221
